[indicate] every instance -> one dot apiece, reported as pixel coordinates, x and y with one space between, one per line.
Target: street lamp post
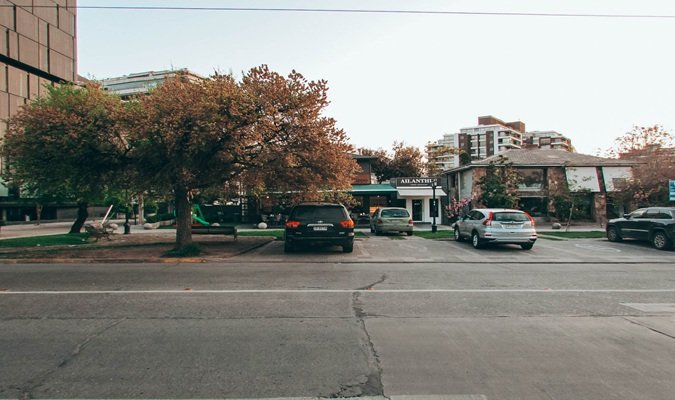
434 210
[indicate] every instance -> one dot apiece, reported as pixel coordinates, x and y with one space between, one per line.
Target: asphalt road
401 318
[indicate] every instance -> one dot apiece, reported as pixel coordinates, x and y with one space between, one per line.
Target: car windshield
330 213
394 213
509 217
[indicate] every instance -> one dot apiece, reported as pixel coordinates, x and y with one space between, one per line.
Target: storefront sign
417 182
671 189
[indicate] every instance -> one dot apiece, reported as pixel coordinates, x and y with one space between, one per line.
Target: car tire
348 248
613 234
458 236
288 247
660 240
409 233
527 246
476 241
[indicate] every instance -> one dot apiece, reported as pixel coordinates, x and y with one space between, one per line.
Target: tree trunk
82 216
141 211
183 218
569 219
38 211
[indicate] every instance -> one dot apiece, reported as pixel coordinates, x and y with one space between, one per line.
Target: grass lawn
276 233
47 240
576 235
437 235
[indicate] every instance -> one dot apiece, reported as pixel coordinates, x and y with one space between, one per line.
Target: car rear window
329 213
394 214
510 217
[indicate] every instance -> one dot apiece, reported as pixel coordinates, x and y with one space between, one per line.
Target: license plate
320 228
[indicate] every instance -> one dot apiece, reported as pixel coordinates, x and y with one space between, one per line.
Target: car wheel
660 240
348 248
613 234
458 236
476 242
527 246
409 233
288 247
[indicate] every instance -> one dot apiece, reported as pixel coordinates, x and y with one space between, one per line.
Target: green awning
372 190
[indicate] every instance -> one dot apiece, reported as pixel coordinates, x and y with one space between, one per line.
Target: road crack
371 384
29 387
372 285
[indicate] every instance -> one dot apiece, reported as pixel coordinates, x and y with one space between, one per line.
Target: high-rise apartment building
491 136
547 140
131 85
38 47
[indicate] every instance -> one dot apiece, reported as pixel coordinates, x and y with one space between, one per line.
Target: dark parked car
653 224
319 223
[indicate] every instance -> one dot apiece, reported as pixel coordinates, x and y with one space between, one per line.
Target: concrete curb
158 260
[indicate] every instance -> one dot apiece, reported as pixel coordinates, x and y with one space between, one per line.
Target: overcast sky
412 78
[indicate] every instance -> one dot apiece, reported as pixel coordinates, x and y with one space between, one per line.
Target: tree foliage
651 148
641 140
265 131
67 146
402 161
499 185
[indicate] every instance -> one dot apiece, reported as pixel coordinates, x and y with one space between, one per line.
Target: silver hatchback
391 219
496 225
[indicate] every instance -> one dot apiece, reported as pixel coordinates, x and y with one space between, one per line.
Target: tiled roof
546 157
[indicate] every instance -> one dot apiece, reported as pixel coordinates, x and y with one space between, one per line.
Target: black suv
653 224
323 223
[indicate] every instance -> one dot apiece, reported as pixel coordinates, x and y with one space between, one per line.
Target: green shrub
152 219
150 207
165 217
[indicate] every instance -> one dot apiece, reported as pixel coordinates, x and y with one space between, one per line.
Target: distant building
37 49
136 84
547 140
491 136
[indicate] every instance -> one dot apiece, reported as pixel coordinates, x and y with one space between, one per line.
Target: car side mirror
627 216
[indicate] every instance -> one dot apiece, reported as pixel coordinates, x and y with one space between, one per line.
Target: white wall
610 173
582 178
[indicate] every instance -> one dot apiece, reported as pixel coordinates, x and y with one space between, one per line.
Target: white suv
496 225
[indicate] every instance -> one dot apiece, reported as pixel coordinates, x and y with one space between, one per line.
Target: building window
531 179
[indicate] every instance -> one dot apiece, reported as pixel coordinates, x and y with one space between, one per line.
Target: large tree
651 149
402 161
67 146
266 130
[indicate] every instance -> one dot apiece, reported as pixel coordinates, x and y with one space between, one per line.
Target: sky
411 77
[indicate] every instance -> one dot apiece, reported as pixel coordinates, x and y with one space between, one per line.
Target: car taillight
292 224
488 221
379 221
530 218
410 222
347 224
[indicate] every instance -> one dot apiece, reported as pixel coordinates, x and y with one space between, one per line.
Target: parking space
395 248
